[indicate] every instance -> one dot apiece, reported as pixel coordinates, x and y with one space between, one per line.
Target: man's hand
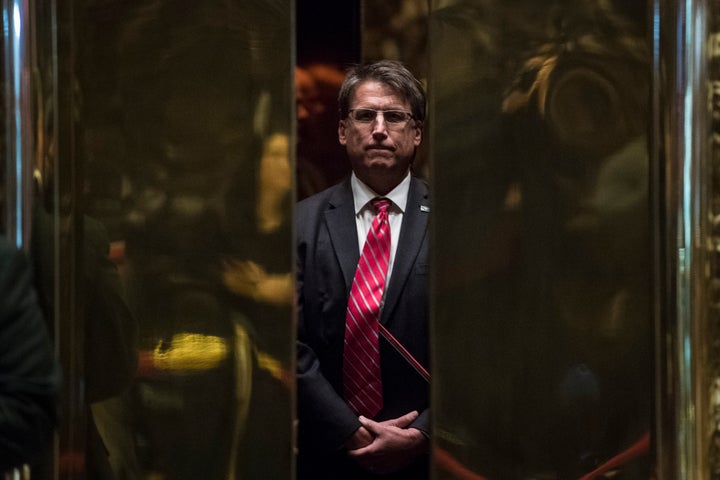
394 445
361 438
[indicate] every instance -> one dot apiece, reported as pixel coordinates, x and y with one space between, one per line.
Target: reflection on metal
21 474
713 287
713 245
709 374
18 120
188 352
682 135
164 157
243 394
185 146
542 238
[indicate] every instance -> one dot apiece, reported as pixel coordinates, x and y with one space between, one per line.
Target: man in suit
29 374
382 108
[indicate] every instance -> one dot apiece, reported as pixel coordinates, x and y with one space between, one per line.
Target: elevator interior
153 153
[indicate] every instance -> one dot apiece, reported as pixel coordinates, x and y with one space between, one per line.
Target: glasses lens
391 117
364 115
394 116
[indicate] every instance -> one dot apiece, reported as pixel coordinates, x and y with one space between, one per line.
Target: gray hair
388 72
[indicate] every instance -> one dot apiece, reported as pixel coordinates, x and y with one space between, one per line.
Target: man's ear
341 132
418 133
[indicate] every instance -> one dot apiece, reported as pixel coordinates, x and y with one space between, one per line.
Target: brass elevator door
163 189
185 116
542 254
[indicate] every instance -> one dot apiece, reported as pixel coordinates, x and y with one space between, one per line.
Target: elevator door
161 157
542 252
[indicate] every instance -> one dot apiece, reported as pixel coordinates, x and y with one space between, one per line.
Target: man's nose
379 125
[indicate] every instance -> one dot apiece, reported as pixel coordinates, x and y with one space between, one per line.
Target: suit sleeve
29 375
422 422
325 419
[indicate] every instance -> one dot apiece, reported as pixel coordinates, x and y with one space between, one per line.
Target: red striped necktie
362 383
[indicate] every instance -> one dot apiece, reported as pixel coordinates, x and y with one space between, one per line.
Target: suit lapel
414 229
340 221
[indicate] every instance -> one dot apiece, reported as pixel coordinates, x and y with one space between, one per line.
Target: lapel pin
424 208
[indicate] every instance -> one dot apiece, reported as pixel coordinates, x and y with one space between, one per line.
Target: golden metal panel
187 117
162 235
542 326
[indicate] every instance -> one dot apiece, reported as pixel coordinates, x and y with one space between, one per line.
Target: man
29 375
357 420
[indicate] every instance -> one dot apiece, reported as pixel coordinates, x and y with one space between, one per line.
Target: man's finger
372 426
404 421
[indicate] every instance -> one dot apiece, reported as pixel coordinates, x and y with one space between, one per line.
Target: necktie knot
381 204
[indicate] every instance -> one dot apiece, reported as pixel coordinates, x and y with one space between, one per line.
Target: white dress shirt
364 213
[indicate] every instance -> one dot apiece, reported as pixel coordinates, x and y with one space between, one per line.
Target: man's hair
388 72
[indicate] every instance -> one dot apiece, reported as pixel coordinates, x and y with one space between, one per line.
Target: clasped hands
385 447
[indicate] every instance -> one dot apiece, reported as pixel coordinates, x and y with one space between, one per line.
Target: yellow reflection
248 278
190 352
274 182
274 367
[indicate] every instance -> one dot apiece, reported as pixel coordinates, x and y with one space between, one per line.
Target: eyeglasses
393 118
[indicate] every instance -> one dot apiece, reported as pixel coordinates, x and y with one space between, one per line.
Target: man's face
379 150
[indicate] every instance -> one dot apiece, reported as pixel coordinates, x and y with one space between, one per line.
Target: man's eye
392 116
364 115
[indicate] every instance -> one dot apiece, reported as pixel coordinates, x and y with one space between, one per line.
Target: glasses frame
401 124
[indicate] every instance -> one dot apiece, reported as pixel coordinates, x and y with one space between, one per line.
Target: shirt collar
362 194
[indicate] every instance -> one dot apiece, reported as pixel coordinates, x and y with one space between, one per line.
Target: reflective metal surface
161 166
683 206
710 420
18 120
542 336
186 117
701 207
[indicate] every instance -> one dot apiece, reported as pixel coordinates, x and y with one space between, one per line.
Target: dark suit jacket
29 374
328 254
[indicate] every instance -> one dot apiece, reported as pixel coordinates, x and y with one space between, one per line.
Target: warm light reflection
190 352
273 366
